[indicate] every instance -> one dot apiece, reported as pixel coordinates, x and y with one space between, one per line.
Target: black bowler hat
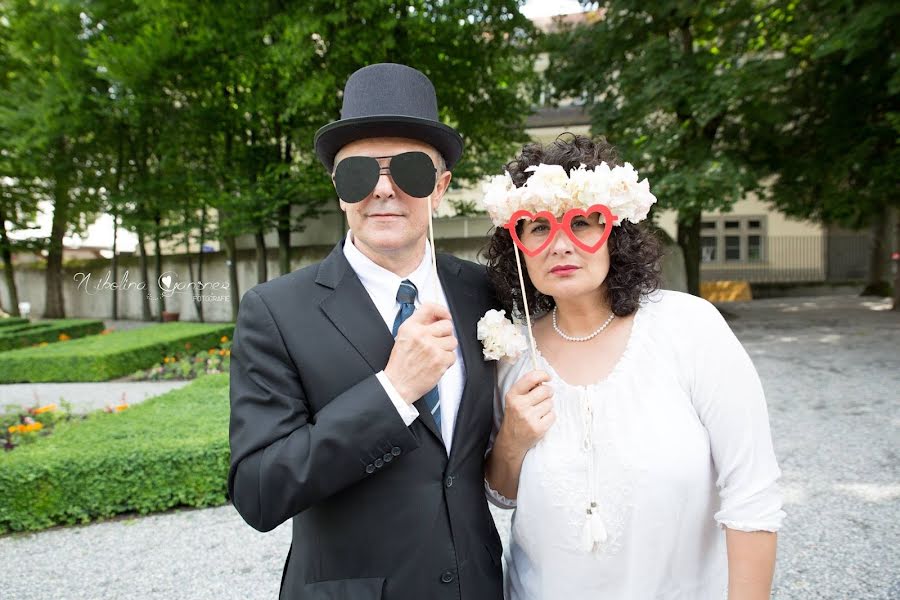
388 100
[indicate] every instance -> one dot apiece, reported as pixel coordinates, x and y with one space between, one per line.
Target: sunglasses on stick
356 176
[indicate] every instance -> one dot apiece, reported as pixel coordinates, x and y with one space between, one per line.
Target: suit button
388 457
370 469
449 481
395 451
379 463
447 576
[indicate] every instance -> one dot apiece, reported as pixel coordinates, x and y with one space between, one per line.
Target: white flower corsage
500 337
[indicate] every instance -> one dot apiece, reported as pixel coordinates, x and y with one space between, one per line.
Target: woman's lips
564 270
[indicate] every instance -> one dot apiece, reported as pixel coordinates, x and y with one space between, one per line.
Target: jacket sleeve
284 458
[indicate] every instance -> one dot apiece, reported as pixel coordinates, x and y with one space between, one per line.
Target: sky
101 232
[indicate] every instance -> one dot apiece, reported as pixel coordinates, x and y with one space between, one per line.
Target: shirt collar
377 279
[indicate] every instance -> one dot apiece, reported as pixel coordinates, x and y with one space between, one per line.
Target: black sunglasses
356 176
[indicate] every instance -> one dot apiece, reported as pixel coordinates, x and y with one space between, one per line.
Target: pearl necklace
583 338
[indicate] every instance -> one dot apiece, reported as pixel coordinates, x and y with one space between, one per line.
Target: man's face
388 221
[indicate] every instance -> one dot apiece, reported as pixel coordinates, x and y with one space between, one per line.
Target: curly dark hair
634 250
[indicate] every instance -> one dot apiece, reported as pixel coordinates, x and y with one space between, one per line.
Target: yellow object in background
726 291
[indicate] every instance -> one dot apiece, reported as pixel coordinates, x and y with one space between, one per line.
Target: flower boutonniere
500 337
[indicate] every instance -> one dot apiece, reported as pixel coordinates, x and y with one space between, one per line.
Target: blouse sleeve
729 400
506 371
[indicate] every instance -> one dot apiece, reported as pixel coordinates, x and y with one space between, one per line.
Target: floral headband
550 189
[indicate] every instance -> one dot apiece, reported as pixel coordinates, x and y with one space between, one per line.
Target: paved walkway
831 372
84 397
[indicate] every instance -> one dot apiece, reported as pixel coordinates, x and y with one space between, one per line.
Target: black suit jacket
379 510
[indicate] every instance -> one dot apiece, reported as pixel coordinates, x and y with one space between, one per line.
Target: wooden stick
527 313
433 248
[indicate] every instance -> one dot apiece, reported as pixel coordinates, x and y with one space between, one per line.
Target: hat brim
334 136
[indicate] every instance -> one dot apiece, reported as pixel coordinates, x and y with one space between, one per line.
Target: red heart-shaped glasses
585 238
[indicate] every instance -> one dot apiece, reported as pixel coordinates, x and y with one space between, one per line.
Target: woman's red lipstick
563 269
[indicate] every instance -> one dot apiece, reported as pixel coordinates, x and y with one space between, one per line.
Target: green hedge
168 451
22 336
104 357
7 321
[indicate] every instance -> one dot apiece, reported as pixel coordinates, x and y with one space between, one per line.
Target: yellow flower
212 350
106 332
221 353
64 337
43 409
227 352
42 344
12 428
121 407
223 339
37 426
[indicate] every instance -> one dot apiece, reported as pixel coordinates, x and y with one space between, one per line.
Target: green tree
831 134
671 84
46 116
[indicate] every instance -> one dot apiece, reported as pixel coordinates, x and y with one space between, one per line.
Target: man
361 405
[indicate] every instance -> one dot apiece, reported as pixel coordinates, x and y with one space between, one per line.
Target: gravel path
831 372
84 397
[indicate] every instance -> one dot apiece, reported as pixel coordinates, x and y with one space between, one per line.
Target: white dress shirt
382 286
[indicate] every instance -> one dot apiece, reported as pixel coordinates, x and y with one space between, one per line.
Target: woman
642 434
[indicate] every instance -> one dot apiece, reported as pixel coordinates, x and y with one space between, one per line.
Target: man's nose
385 186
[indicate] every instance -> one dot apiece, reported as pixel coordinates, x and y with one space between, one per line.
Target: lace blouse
627 493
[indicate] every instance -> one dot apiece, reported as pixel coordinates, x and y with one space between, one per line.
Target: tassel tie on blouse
593 533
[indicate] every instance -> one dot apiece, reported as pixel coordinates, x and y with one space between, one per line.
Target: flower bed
100 358
168 451
188 364
21 425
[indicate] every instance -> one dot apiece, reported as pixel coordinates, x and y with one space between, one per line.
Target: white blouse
674 442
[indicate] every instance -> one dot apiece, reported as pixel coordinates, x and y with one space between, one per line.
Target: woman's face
563 269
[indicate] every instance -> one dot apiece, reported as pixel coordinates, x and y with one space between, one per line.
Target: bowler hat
388 100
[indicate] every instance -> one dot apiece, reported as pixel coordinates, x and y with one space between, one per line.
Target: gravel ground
84 397
830 371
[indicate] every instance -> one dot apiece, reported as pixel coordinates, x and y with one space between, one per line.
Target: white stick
527 313
433 248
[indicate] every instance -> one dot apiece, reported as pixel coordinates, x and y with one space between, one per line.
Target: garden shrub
55 330
168 451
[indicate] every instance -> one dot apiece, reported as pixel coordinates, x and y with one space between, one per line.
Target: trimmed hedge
22 336
7 321
104 357
168 451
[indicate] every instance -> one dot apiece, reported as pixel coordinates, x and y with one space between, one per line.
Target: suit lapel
352 312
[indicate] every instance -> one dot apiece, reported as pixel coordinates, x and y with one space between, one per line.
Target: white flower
550 189
500 338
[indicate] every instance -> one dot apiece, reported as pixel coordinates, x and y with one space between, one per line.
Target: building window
732 239
708 248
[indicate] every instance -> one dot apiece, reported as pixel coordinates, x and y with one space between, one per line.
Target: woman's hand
529 412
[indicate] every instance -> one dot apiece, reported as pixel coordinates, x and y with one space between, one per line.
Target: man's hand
423 350
529 412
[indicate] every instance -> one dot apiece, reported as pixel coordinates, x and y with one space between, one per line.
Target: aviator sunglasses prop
355 177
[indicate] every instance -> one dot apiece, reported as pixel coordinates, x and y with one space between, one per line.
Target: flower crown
550 189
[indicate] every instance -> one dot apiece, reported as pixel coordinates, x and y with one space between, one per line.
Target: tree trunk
235 294
262 271
54 307
146 313
895 259
117 186
877 284
197 295
689 241
8 271
284 225
114 267
157 260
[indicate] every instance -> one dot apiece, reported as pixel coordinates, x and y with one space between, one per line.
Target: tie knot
407 292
